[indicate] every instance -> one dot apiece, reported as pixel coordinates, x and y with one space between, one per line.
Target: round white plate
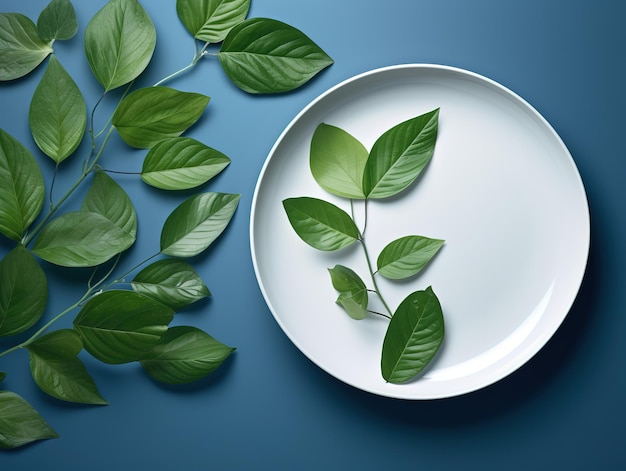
501 189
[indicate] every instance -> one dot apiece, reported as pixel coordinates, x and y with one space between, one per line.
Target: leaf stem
372 275
199 54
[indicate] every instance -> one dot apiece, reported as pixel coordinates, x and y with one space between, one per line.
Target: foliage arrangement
115 321
342 166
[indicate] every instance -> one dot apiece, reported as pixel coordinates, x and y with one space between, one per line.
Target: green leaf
23 291
196 223
57 370
22 190
171 282
21 47
181 163
321 224
337 161
2 376
261 55
353 295
58 114
119 42
57 21
150 115
400 155
407 256
185 354
211 20
81 239
120 326
20 424
413 336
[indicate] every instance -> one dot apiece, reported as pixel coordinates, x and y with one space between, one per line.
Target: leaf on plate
262 55
185 354
21 423
413 336
181 163
407 256
321 224
119 42
57 21
21 47
58 371
399 155
211 20
353 295
58 114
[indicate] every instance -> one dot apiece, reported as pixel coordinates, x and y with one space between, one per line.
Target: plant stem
199 54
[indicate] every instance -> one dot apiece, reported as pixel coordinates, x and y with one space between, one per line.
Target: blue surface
271 408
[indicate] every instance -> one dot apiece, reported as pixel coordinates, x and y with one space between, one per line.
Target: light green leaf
57 21
22 188
321 224
23 291
58 114
337 161
172 282
262 55
353 295
57 370
400 155
120 326
211 20
21 47
196 223
20 424
407 256
150 115
413 336
181 163
119 42
185 354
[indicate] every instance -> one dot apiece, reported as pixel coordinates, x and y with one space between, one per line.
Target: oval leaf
353 296
321 224
211 20
23 291
150 115
21 188
337 161
121 326
172 282
58 114
185 354
21 424
196 223
181 163
413 336
21 47
119 43
57 21
261 55
400 155
407 256
57 370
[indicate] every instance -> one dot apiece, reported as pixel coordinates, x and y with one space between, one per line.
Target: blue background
269 407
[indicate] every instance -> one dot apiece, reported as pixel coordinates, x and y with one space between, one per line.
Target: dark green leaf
353 295
211 20
407 256
23 291
337 161
321 224
121 326
261 55
196 223
181 163
20 424
413 336
57 21
400 155
2 376
22 188
58 114
171 282
150 115
21 47
185 354
57 370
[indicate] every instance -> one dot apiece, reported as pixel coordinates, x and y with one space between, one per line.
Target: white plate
501 189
